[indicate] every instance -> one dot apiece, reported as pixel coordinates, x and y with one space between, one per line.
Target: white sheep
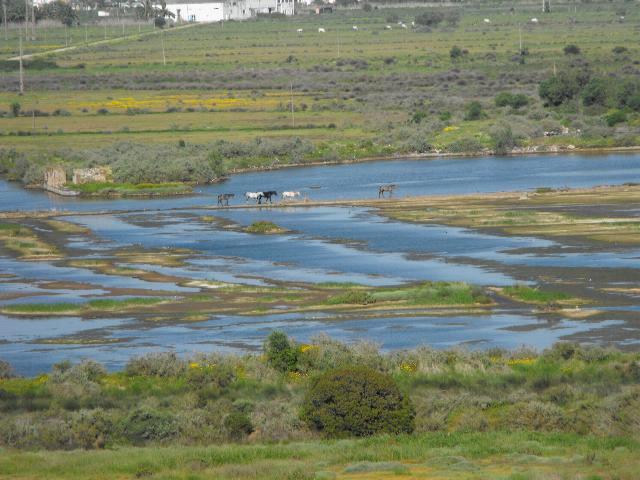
299 30
388 27
403 25
534 20
322 30
355 27
486 20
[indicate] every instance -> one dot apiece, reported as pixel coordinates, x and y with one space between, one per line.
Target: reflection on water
235 333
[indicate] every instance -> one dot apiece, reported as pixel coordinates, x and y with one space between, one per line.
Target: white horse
290 195
251 196
355 27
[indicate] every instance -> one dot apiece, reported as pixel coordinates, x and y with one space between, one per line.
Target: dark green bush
356 401
615 117
238 425
562 87
281 352
430 18
571 49
474 111
503 140
504 99
455 52
595 92
465 145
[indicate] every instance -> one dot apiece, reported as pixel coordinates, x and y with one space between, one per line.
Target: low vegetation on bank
105 189
161 399
265 227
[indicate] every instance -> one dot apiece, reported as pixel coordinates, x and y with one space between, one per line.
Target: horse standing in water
289 195
223 199
267 196
252 196
386 188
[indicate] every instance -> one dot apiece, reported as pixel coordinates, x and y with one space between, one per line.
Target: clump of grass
131 189
435 293
263 226
101 304
352 297
534 295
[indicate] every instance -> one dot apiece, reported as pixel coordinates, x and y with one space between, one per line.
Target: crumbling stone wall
89 175
55 177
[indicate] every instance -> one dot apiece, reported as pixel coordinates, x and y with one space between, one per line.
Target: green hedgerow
357 401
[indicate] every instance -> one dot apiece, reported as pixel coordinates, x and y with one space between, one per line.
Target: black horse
267 196
223 198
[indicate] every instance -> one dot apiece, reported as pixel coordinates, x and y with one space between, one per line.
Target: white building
209 11
241 9
196 10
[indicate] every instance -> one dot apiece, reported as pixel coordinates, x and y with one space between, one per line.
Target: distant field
396 88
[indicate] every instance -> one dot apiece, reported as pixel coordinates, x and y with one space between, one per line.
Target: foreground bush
357 401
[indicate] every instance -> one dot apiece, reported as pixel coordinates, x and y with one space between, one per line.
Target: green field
355 94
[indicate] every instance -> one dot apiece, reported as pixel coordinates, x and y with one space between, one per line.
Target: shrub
166 364
571 49
503 140
418 116
474 111
455 52
367 7
15 108
6 370
238 425
159 22
357 401
430 18
614 117
281 352
595 92
558 89
515 101
619 50
144 425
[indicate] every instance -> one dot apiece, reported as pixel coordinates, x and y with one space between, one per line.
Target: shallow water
412 177
337 244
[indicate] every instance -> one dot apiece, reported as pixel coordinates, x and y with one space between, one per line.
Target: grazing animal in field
382 189
223 198
251 196
299 30
486 20
267 195
322 30
403 25
534 20
355 27
290 195
388 27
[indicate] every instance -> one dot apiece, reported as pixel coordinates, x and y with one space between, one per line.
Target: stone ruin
54 178
90 175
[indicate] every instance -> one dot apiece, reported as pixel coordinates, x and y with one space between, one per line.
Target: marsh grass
534 295
96 305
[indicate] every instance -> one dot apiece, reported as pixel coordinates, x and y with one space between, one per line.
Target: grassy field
355 94
499 456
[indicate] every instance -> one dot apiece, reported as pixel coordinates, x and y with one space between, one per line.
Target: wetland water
322 244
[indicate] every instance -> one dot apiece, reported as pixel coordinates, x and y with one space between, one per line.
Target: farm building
208 11
196 10
241 9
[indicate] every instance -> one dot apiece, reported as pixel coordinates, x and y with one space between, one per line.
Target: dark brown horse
223 199
386 188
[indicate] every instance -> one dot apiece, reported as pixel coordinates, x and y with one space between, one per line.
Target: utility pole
33 22
21 73
86 36
26 19
164 57
4 17
293 118
520 35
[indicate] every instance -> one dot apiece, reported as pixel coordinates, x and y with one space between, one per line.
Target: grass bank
104 189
